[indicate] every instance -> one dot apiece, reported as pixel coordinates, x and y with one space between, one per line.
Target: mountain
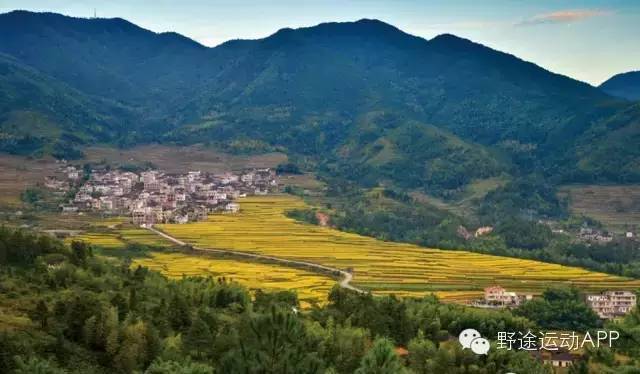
625 85
362 100
37 111
110 58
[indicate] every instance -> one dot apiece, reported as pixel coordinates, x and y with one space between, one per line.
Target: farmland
120 236
16 173
311 287
617 207
382 267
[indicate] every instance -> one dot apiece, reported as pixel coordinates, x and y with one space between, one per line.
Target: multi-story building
498 296
612 304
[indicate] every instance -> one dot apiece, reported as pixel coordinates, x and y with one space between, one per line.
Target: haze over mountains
362 100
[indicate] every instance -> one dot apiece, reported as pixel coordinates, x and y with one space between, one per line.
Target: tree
41 314
199 336
140 346
80 252
36 365
560 308
276 343
381 359
344 347
519 233
421 352
178 312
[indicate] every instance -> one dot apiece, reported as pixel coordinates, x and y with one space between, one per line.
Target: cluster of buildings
612 304
154 196
607 305
498 297
592 235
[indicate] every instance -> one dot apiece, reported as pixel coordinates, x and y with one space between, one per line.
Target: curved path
344 283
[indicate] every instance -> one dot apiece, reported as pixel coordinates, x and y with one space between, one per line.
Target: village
154 196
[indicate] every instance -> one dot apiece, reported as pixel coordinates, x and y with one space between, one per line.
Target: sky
587 40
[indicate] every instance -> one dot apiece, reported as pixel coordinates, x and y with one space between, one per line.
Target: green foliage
80 252
283 299
560 308
199 336
392 215
526 197
288 168
93 316
274 343
305 215
519 233
381 359
21 247
608 150
31 195
66 151
35 365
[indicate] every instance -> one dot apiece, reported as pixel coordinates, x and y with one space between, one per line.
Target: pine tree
422 350
381 359
199 336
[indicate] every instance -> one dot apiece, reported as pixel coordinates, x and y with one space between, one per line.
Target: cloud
564 17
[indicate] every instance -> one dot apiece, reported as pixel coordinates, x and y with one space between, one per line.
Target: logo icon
471 338
480 346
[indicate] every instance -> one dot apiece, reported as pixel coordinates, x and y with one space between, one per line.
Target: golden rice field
310 287
120 237
382 267
102 240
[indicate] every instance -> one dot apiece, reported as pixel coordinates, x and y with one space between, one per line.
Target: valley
337 198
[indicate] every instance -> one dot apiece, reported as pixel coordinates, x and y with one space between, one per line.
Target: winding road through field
344 283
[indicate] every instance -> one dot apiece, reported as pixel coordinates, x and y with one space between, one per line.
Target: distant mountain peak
624 85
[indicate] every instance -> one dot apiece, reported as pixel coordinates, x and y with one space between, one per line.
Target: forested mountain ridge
37 111
625 85
362 99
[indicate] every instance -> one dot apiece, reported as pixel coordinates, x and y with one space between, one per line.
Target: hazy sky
587 40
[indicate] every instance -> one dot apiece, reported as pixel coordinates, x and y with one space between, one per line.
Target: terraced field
119 237
618 207
102 240
311 287
382 267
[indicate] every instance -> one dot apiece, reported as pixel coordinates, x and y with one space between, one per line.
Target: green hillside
38 112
